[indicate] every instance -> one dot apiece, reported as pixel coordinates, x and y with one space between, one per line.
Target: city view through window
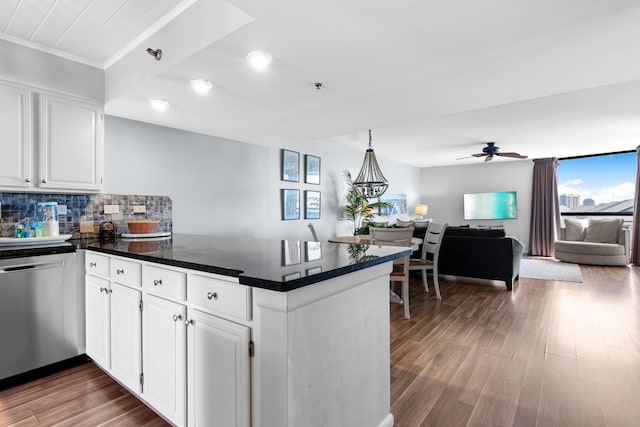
597 185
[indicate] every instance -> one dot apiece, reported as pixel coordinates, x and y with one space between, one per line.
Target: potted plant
358 206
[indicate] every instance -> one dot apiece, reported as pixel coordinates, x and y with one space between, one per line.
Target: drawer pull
188 322
92 264
120 271
157 282
103 289
213 295
177 317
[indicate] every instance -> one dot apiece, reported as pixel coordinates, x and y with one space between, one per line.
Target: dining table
365 239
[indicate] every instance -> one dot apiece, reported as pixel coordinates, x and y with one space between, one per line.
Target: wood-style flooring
549 353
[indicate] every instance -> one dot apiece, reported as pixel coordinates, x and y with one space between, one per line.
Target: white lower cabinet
218 371
164 357
97 320
125 335
188 358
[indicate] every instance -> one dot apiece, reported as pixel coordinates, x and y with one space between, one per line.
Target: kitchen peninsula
244 332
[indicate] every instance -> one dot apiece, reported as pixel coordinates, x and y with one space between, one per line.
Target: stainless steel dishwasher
40 312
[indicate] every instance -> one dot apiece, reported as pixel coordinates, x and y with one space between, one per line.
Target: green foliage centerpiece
358 207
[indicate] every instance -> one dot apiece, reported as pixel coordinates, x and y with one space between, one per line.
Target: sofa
480 253
600 242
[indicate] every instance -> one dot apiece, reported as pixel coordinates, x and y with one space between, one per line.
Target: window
601 185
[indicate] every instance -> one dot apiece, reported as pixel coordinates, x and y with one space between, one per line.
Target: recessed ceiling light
201 85
159 104
259 59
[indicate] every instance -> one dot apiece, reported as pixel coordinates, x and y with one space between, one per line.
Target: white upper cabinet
16 142
55 146
71 133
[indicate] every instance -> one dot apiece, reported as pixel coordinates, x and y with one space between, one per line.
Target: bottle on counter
48 214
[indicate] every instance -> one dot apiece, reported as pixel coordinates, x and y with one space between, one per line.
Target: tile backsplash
86 210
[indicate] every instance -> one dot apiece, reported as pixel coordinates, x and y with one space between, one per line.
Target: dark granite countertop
279 265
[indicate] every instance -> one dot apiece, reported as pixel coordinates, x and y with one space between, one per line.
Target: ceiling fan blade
479 155
514 155
488 158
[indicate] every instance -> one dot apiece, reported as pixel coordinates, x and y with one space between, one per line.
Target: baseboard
34 374
387 422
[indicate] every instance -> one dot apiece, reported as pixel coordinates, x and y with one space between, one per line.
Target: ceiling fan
493 150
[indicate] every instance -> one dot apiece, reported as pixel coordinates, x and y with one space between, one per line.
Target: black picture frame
289 165
311 169
290 200
312 204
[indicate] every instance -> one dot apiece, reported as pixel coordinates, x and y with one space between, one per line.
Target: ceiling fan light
160 104
259 59
201 85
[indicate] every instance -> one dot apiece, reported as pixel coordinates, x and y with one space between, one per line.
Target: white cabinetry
218 371
125 335
187 353
15 128
71 133
164 352
97 320
113 327
58 147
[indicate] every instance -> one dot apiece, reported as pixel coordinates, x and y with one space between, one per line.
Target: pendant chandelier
370 181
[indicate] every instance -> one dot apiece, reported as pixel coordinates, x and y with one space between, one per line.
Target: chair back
391 236
433 240
313 232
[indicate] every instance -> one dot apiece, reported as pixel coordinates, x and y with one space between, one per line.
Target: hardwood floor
547 354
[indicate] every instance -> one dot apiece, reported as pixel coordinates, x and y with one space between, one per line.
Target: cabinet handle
177 317
213 295
119 271
103 289
92 264
108 291
157 282
44 180
188 322
27 180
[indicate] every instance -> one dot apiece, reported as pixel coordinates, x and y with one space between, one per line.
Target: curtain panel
545 207
635 249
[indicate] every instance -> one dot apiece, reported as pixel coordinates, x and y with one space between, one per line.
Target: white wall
223 187
442 189
32 67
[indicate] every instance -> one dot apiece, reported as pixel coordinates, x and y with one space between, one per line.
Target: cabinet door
164 361
71 147
97 320
218 371
126 329
15 144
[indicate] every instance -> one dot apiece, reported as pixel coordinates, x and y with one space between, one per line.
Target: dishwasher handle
31 267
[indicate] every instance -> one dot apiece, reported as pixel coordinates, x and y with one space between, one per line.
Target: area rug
547 269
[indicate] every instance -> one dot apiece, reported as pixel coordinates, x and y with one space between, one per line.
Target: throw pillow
574 229
603 230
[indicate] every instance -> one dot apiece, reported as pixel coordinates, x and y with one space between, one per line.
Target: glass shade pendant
370 181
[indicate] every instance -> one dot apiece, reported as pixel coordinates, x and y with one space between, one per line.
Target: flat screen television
496 205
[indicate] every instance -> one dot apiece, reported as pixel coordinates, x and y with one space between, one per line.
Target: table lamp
421 211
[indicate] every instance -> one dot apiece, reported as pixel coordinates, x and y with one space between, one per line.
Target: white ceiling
433 80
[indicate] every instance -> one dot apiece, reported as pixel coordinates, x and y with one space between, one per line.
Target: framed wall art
289 165
311 169
290 204
311 204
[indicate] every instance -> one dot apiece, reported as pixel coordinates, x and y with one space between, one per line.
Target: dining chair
396 237
431 245
313 232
